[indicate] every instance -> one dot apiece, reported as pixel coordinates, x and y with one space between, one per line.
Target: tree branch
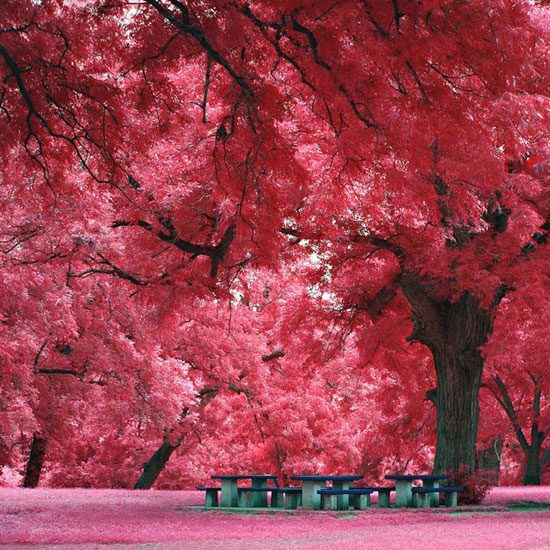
273 355
215 253
312 43
37 356
206 87
111 270
383 298
397 14
198 34
418 81
510 411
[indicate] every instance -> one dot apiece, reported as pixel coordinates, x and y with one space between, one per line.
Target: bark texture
531 474
36 461
154 466
454 332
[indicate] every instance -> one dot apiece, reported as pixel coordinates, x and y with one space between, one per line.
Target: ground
512 518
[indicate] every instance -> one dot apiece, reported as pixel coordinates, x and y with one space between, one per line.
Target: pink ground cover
80 518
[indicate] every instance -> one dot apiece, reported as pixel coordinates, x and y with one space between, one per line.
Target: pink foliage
476 485
185 189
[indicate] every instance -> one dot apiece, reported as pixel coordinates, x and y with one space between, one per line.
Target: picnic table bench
311 484
403 486
230 490
360 498
211 495
292 497
287 497
383 495
422 496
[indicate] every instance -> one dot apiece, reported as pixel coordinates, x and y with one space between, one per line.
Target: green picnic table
403 486
311 484
230 491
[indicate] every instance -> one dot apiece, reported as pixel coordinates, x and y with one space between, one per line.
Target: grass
169 520
242 511
529 506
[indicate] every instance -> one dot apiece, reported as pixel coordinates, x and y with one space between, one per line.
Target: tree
219 367
518 376
82 370
434 218
535 459
330 407
171 144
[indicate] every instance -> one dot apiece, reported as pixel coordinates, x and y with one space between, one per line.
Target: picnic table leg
311 499
260 499
277 499
342 501
403 492
434 497
330 502
361 502
384 499
291 501
246 499
424 501
230 494
211 498
451 499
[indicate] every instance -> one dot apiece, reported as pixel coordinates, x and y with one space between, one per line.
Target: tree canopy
261 205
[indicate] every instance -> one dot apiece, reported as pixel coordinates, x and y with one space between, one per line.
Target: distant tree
518 376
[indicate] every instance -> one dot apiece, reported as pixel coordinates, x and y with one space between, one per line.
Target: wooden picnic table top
422 477
326 478
242 476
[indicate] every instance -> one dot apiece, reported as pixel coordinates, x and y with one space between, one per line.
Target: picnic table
312 483
230 492
403 486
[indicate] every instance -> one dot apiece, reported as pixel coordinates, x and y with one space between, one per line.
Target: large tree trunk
36 461
154 466
453 331
534 461
457 406
531 474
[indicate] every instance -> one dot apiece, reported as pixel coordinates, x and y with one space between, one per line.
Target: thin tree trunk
35 462
531 474
155 465
488 461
